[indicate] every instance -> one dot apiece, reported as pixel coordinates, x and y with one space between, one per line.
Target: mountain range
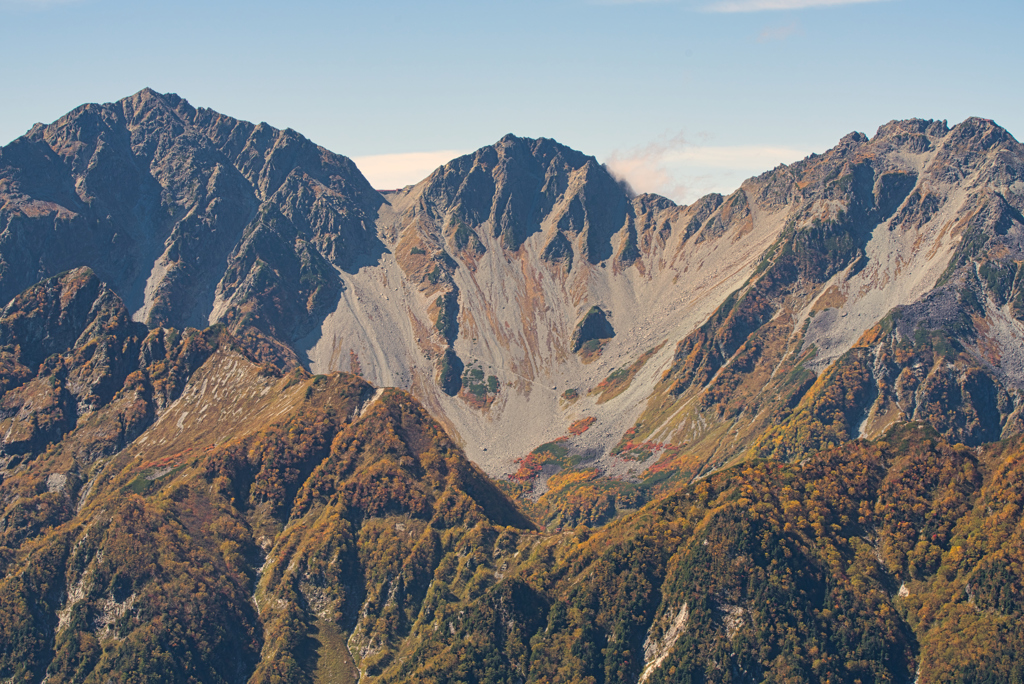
263 422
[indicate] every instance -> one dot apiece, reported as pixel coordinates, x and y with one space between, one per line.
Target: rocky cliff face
189 215
495 261
217 503
919 222
493 264
68 345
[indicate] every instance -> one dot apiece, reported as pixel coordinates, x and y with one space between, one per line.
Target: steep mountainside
251 409
518 284
497 262
189 215
211 519
889 297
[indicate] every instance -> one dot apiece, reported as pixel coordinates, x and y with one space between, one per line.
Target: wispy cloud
778 33
683 172
629 2
390 171
35 4
646 168
734 6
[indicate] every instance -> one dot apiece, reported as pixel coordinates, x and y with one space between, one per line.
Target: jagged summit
921 222
906 129
490 264
262 500
191 215
521 186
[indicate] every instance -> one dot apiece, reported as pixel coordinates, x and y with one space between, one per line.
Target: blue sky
682 97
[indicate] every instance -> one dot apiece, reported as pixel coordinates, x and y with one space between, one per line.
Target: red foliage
581 426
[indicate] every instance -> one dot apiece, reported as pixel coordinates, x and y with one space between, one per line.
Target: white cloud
646 168
733 6
778 32
629 2
392 171
35 4
684 172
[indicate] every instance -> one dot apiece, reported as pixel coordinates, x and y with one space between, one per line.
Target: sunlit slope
256 510
890 296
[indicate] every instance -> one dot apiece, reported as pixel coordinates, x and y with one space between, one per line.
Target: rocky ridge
493 263
677 393
187 214
915 222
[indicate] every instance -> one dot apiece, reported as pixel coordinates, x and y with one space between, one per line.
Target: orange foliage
582 425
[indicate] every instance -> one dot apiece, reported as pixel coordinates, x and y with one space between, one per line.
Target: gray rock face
593 326
188 214
67 345
193 217
894 286
517 185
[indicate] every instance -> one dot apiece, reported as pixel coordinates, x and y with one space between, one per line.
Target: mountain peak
517 186
908 127
979 134
197 495
157 197
148 93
